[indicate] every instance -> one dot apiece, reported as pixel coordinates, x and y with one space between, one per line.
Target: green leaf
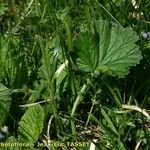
2 9
61 14
87 52
110 50
5 102
31 124
110 123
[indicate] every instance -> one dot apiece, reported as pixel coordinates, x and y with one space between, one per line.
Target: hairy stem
51 86
76 103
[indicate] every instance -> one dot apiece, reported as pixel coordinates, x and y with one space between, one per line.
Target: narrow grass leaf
105 128
115 97
108 121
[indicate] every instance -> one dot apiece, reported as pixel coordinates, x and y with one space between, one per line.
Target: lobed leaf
110 50
87 52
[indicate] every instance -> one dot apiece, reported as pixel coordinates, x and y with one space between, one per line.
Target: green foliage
112 50
2 9
5 102
87 47
59 66
31 124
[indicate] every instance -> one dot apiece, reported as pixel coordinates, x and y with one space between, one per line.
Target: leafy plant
31 125
5 102
74 71
108 50
112 50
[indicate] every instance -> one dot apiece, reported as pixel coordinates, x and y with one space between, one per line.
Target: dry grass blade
136 108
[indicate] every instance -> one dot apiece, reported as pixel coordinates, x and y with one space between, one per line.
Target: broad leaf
87 51
110 50
5 102
31 124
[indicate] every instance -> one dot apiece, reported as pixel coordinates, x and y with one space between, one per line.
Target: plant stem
88 16
51 86
76 103
92 107
67 23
